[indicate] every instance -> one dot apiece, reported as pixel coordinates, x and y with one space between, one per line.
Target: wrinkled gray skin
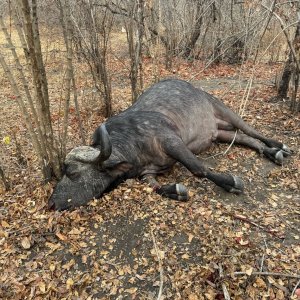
171 121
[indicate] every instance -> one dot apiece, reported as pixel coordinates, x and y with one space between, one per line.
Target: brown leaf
69 283
249 271
4 224
260 283
26 243
61 236
69 264
193 297
131 290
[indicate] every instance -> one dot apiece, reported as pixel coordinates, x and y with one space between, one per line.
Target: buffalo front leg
177 149
174 191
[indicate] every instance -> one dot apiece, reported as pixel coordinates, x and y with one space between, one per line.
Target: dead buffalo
171 121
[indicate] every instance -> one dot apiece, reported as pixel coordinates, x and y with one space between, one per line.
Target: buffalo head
89 171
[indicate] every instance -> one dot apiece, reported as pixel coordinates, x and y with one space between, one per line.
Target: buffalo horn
105 145
85 154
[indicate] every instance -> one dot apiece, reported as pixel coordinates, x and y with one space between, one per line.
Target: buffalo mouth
56 203
52 207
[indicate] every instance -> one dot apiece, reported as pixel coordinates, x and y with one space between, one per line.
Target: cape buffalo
170 122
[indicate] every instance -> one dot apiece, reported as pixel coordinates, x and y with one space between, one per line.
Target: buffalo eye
72 171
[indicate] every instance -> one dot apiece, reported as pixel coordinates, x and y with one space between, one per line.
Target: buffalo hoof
238 185
174 191
276 155
286 150
279 158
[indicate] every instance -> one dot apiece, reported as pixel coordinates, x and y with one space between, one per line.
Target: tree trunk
195 33
35 109
135 47
285 78
4 180
290 76
65 19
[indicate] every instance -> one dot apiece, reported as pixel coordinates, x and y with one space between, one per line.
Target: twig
224 288
245 219
161 271
268 274
262 263
295 288
232 142
282 25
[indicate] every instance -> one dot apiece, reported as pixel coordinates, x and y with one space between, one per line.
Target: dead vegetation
132 243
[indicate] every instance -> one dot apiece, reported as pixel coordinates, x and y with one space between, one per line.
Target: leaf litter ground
132 243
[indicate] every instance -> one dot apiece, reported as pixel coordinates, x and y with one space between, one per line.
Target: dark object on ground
171 121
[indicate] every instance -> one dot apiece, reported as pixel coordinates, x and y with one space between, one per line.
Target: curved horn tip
105 143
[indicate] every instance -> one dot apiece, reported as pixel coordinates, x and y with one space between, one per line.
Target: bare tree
289 82
35 108
70 86
290 74
93 30
135 32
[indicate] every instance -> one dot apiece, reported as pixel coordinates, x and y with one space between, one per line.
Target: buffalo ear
117 169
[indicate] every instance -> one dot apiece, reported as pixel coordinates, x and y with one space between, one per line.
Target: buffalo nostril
51 205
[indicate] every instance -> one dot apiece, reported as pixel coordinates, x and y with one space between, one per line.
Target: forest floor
134 244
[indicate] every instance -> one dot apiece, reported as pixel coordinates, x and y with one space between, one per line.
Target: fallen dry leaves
107 251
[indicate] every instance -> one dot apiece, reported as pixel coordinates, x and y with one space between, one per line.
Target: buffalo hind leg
227 118
271 143
174 191
176 149
274 154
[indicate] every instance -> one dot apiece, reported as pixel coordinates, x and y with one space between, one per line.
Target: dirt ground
134 244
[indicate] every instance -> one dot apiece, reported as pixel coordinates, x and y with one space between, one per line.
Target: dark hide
171 121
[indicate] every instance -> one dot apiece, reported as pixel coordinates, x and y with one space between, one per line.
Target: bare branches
94 46
283 27
65 19
35 110
135 34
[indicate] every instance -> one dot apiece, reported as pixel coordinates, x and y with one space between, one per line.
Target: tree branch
283 27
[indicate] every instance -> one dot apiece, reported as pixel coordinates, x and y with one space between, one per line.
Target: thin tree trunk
25 86
290 72
26 14
195 33
41 68
81 130
64 8
27 120
65 15
4 180
139 42
285 78
40 81
34 110
135 47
